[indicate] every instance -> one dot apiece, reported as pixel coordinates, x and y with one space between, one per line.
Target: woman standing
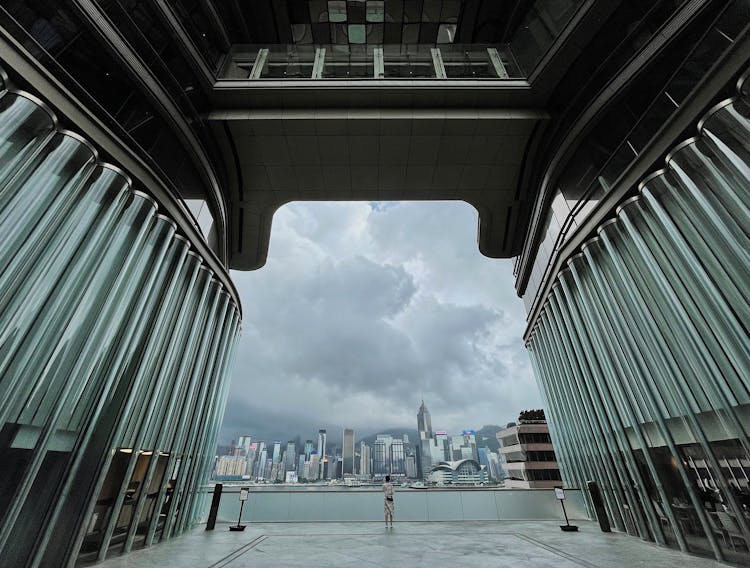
388 501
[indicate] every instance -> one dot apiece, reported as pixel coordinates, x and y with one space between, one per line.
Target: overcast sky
363 309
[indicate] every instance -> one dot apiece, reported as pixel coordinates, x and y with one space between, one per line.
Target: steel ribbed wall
115 345
643 350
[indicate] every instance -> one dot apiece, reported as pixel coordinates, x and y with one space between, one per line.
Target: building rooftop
533 544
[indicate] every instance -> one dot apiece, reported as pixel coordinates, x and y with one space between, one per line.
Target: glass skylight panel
357 33
429 22
375 11
337 11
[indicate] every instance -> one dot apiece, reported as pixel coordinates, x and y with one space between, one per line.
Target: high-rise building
347 453
410 464
276 456
322 439
424 422
491 463
470 442
144 151
252 454
230 466
463 446
328 467
243 444
495 468
425 445
260 461
301 462
314 468
365 460
308 449
398 458
441 446
455 444
381 456
290 454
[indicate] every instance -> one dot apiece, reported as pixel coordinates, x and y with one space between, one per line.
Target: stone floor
531 544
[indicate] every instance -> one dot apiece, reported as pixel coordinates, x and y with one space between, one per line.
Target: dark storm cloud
363 310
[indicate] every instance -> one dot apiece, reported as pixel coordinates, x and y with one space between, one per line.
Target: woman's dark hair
387 478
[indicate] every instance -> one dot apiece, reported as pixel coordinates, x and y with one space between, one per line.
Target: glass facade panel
630 122
642 350
115 340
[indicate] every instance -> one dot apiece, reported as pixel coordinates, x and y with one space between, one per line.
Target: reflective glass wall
115 342
622 133
643 350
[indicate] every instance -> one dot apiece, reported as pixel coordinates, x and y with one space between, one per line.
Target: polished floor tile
409 545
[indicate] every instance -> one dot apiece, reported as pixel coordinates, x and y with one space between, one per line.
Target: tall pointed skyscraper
424 422
424 427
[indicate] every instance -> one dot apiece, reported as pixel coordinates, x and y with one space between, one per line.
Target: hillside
486 437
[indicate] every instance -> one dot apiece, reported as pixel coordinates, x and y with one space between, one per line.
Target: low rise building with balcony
527 454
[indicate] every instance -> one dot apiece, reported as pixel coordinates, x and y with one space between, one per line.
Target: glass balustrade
369 61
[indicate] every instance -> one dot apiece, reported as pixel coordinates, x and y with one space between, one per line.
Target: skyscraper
380 464
243 444
347 453
252 454
424 422
424 447
381 456
398 464
290 456
276 457
308 449
315 469
322 438
410 463
260 461
365 459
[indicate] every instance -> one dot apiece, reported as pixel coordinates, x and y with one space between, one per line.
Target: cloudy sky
362 310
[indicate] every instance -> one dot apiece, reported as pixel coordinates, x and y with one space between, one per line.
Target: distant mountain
395 432
486 437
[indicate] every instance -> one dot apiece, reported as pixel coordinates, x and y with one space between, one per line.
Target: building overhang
374 154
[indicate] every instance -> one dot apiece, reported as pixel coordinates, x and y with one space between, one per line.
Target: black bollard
214 511
601 512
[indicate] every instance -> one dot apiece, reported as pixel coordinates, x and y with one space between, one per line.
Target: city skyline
431 456
334 443
334 433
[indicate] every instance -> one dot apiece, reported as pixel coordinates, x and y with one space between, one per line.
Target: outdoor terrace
532 544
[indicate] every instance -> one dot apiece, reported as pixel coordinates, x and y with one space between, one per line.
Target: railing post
437 61
497 62
260 63
379 63
320 59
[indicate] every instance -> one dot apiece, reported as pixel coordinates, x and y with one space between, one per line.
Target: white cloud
362 309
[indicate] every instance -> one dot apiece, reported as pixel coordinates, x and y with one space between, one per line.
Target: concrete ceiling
371 155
